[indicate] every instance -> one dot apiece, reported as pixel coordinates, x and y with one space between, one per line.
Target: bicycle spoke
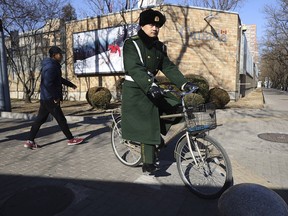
128 153
206 174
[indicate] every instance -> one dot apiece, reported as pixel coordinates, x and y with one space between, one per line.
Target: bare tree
275 51
23 23
216 4
68 13
101 7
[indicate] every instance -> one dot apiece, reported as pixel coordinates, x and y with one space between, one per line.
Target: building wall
251 35
29 50
200 41
208 48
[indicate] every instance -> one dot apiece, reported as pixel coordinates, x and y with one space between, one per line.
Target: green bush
118 85
165 83
193 100
200 81
219 97
98 97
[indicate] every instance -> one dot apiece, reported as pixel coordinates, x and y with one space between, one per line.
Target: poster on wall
100 51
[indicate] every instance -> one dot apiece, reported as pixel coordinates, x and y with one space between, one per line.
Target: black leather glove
156 91
190 87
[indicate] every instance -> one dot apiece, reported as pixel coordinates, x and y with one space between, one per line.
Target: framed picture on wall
99 52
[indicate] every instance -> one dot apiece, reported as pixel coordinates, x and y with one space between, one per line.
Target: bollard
251 199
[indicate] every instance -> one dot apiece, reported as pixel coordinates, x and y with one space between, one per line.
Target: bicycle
202 163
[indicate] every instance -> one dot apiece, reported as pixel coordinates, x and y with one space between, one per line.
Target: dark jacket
51 80
140 115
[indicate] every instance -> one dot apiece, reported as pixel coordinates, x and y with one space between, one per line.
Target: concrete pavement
101 185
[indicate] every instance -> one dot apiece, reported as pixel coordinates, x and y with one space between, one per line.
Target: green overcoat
140 116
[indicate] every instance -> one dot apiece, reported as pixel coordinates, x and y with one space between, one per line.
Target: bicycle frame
182 114
114 119
202 162
185 115
177 115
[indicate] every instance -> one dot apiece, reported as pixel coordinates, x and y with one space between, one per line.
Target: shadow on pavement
47 130
97 198
87 197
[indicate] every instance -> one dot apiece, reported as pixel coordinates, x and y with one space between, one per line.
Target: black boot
149 168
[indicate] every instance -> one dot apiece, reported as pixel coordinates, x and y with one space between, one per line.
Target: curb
25 116
30 117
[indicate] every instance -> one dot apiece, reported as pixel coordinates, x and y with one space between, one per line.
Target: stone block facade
200 41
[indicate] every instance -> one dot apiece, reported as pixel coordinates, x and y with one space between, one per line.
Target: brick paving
103 186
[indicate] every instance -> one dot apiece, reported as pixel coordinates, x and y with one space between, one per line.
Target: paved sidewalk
93 182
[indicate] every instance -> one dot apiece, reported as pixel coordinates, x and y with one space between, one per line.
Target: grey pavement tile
104 186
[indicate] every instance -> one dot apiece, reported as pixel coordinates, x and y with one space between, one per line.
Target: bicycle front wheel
204 166
125 151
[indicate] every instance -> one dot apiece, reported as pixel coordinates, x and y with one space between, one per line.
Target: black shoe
149 168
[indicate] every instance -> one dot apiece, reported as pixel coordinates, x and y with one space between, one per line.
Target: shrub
118 85
98 97
219 97
200 81
193 100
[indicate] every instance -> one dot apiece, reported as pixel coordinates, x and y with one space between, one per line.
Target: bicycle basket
201 118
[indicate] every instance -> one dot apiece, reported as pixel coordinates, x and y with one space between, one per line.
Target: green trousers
148 153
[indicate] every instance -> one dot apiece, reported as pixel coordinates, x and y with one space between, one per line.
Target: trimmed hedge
219 97
118 85
98 97
193 100
216 95
201 82
196 98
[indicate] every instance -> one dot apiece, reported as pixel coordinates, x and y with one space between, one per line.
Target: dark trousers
46 108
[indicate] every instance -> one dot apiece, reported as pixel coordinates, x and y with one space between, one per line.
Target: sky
250 12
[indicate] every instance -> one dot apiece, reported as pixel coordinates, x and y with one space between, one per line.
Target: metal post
5 104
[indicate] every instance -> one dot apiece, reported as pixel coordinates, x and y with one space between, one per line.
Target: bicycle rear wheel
207 171
125 151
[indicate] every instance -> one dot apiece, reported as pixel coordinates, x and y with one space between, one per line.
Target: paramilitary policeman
142 99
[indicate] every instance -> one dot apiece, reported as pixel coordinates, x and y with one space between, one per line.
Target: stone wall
208 48
200 41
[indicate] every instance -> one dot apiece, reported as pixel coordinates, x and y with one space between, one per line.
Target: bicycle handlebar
182 93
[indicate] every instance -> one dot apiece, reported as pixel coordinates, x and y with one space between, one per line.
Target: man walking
50 98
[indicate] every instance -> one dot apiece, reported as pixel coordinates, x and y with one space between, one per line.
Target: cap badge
156 19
